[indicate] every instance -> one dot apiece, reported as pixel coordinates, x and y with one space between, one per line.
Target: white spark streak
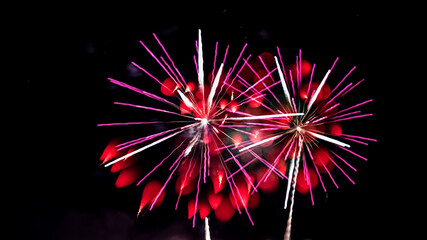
190 147
142 149
282 80
214 86
185 99
207 231
294 183
291 172
266 116
200 63
260 142
313 99
328 139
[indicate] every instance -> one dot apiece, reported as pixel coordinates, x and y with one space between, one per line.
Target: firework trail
308 143
210 118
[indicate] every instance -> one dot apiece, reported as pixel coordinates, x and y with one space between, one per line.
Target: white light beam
200 63
142 149
260 142
313 99
328 139
282 80
185 99
214 86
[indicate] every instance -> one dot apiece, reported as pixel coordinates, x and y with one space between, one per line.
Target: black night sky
66 54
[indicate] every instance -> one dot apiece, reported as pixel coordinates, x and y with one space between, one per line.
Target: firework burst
209 119
309 143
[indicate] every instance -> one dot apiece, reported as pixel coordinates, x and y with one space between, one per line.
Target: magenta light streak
175 77
242 131
197 200
315 167
242 144
252 99
256 83
355 154
311 78
232 69
336 96
195 63
146 72
244 166
319 119
345 174
265 86
345 115
143 139
359 137
159 62
276 161
125 123
270 125
329 109
225 54
150 95
307 175
335 62
333 90
231 126
163 188
357 105
294 105
330 175
298 69
292 82
237 90
355 85
205 158
270 86
356 141
238 58
170 59
150 108
344 161
283 65
190 169
271 129
244 114
161 162
214 61
224 147
267 164
241 199
358 116
142 149
241 168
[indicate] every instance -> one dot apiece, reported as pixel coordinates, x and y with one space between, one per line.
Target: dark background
67 52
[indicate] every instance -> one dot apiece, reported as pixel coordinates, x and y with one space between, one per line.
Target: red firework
211 129
309 143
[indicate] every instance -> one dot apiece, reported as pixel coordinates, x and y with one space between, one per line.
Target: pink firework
310 143
212 127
